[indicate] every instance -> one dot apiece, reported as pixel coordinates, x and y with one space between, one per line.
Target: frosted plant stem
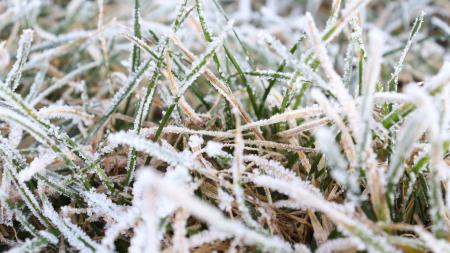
14 75
60 140
197 68
237 168
211 215
141 115
393 81
361 233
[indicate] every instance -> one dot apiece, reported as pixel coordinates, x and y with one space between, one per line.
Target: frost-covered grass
225 126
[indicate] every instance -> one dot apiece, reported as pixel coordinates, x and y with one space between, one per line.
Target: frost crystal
214 149
225 200
195 141
38 165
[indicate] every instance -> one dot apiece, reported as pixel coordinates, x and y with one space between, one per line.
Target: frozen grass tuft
224 126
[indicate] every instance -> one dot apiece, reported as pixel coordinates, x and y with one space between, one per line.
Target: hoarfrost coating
224 126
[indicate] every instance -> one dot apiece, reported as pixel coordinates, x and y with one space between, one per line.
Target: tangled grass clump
225 126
